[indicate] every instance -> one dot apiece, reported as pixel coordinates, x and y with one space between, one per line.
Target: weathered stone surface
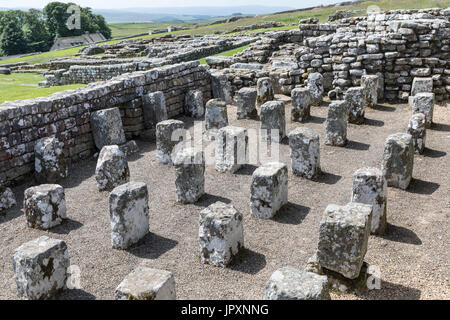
231 149
154 109
418 131
291 284
315 86
5 70
246 103
193 104
301 104
304 146
44 206
421 85
189 175
221 234
336 125
355 98
107 128
370 187
129 148
49 161
370 85
221 87
273 121
170 138
112 168
424 103
216 117
264 90
40 268
129 214
7 199
269 190
344 233
398 160
145 283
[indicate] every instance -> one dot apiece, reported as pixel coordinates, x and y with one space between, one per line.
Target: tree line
36 31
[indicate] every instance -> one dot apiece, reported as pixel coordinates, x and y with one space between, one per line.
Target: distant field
228 53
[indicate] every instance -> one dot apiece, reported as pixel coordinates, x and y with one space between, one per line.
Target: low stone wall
67 114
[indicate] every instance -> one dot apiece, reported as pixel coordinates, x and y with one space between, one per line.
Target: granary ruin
127 144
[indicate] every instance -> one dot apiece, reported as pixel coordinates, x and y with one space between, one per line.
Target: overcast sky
114 4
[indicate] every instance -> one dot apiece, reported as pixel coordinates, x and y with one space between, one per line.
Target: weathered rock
5 70
129 213
231 149
129 148
49 162
264 90
418 132
421 85
269 190
301 104
424 103
221 87
315 86
291 284
273 121
193 104
170 138
107 128
355 98
145 283
221 234
398 160
370 85
246 103
112 168
304 144
189 175
7 199
336 125
216 117
154 109
344 233
40 268
370 187
44 206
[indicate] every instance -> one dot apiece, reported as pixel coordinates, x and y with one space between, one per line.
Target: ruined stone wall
67 114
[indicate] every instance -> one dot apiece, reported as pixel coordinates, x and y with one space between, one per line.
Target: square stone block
301 104
421 85
246 103
7 199
336 125
424 103
273 121
154 109
193 104
112 168
304 144
216 117
107 128
417 130
170 138
49 162
231 149
189 175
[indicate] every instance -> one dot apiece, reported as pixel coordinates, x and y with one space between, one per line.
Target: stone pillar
216 117
231 149
417 130
49 162
269 190
189 175
193 104
356 105
44 206
343 237
7 199
301 104
424 103
145 283
40 268
336 126
221 234
398 160
370 85
154 109
370 187
128 210
380 93
272 117
291 284
421 85
265 90
246 103
107 128
221 87
112 168
315 86
170 138
305 152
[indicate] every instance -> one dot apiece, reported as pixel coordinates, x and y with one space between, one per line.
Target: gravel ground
413 256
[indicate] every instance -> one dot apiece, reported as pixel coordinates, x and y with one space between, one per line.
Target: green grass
24 86
228 53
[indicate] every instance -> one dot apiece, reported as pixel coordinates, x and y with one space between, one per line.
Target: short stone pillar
44 206
107 128
336 125
291 284
170 138
154 109
370 85
273 121
343 237
356 105
145 283
231 149
216 117
301 104
424 103
128 210
40 268
49 162
269 190
421 85
193 104
246 103
221 234
304 144
418 132
221 87
315 87
265 90
7 199
398 160
112 168
189 175
370 187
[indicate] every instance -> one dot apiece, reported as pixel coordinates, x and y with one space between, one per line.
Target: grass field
228 53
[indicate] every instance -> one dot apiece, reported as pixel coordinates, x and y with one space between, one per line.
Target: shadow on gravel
328 178
248 261
246 170
208 199
380 107
422 187
66 226
440 127
374 123
401 234
318 120
75 294
152 246
291 213
433 153
391 291
355 145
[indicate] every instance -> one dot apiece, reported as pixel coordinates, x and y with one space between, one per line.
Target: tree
35 31
12 40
